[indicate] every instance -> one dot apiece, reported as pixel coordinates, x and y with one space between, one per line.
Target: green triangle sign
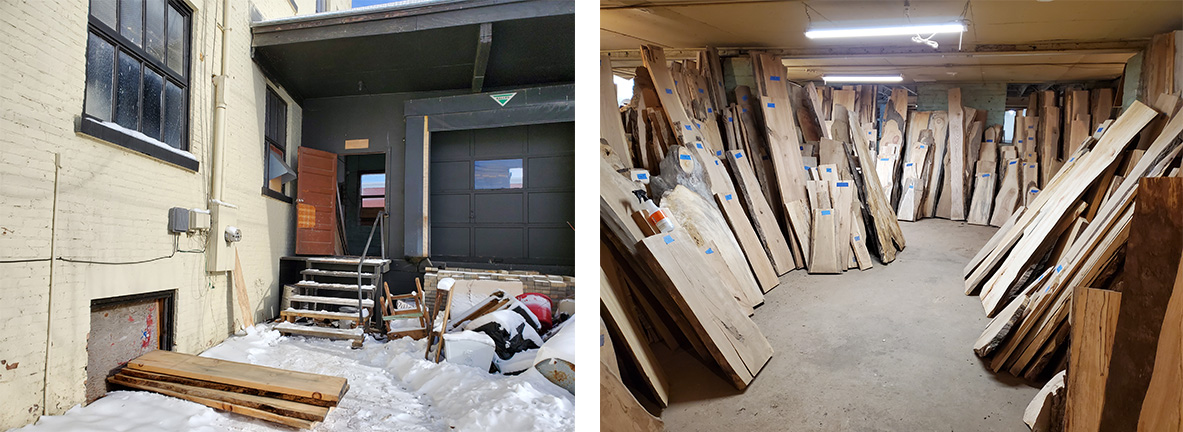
503 98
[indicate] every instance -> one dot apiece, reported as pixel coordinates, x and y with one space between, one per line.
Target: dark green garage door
504 195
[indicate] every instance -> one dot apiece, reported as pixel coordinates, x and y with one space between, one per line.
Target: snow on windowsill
140 136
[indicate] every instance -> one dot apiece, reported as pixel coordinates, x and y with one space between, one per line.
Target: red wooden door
316 202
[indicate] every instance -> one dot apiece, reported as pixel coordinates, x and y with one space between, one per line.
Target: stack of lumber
952 165
296 399
1073 234
750 199
1123 368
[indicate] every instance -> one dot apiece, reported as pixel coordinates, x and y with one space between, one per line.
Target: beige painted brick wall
112 203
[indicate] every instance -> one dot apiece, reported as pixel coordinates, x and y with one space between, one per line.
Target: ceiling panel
688 24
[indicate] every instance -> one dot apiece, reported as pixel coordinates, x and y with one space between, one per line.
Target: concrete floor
888 349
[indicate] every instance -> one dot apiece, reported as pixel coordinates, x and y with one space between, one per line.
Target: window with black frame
275 135
137 79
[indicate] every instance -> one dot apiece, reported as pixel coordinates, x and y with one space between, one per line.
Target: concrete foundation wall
112 203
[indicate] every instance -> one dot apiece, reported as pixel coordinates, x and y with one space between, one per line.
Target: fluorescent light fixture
887 31
863 78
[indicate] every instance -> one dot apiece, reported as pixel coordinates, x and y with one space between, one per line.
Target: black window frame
92 126
280 142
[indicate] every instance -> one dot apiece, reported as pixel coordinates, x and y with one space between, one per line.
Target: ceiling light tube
887 31
863 78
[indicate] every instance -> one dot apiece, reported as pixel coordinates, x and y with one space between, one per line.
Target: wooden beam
481 63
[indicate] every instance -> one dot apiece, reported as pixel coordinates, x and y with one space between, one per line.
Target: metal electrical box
178 220
199 219
219 253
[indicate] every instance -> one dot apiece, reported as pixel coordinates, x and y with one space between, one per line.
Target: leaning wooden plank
1151 269
304 384
703 221
748 241
887 228
733 340
957 173
1001 325
763 219
1007 198
1095 315
628 330
1162 408
934 166
280 407
238 409
1054 201
1046 409
826 256
784 146
843 195
611 130
619 410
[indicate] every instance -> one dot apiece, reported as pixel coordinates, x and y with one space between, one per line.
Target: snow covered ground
391 388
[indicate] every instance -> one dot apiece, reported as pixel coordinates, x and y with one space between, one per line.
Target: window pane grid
136 58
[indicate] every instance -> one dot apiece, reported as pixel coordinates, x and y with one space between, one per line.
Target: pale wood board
702 221
957 173
749 241
237 409
1052 202
246 314
619 409
323 387
611 129
628 329
279 407
887 227
1007 197
1094 313
763 219
733 340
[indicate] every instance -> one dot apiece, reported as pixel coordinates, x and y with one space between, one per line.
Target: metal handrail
378 221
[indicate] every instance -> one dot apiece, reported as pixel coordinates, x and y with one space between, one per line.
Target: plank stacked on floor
296 399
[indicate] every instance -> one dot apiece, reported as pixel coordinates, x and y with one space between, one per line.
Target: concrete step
366 303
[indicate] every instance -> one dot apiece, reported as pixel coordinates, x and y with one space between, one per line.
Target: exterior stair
312 306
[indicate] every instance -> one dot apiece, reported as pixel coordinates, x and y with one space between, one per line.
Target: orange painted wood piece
317 171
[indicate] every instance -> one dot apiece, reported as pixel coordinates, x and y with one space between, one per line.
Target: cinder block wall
987 96
112 203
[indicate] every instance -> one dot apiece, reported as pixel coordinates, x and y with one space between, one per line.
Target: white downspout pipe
219 139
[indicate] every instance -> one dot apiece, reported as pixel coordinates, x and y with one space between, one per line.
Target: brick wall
553 286
112 203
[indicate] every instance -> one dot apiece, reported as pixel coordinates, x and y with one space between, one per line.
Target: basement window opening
122 329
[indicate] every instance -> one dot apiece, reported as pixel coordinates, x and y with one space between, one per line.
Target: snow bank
391 388
134 412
